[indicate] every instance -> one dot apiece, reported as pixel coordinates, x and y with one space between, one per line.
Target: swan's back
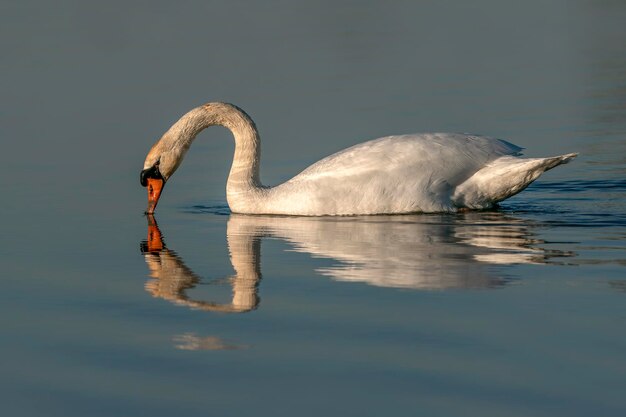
395 174
450 156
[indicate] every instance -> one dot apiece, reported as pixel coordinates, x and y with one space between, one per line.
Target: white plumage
433 172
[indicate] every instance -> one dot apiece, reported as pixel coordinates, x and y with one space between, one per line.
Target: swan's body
435 172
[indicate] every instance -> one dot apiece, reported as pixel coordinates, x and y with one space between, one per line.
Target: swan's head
161 162
167 154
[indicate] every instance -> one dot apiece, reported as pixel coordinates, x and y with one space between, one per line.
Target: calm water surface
519 311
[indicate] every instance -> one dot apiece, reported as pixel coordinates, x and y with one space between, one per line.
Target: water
514 312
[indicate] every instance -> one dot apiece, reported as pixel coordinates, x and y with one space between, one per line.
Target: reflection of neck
245 253
172 277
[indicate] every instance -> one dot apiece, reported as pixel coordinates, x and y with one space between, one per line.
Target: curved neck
244 172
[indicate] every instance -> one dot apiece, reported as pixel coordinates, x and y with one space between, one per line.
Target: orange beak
155 186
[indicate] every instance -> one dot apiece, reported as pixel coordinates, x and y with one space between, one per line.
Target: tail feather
503 178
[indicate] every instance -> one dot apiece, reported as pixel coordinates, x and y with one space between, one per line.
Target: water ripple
574 203
220 209
581 185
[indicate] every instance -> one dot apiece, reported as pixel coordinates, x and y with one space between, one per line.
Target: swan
430 172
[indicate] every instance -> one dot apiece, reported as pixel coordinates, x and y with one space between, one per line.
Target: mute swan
431 172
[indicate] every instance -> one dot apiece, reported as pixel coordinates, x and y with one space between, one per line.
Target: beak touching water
154 186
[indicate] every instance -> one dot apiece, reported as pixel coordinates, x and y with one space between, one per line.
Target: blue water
518 311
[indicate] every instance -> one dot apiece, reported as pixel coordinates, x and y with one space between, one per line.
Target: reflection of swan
190 341
172 277
439 172
512 241
416 252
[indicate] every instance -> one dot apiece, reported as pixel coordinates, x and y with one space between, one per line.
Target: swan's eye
152 172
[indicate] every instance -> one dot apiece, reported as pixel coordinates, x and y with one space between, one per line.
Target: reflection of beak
155 240
155 186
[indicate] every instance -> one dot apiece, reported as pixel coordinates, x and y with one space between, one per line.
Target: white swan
432 172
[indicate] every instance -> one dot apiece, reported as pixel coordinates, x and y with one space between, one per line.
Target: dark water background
518 312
